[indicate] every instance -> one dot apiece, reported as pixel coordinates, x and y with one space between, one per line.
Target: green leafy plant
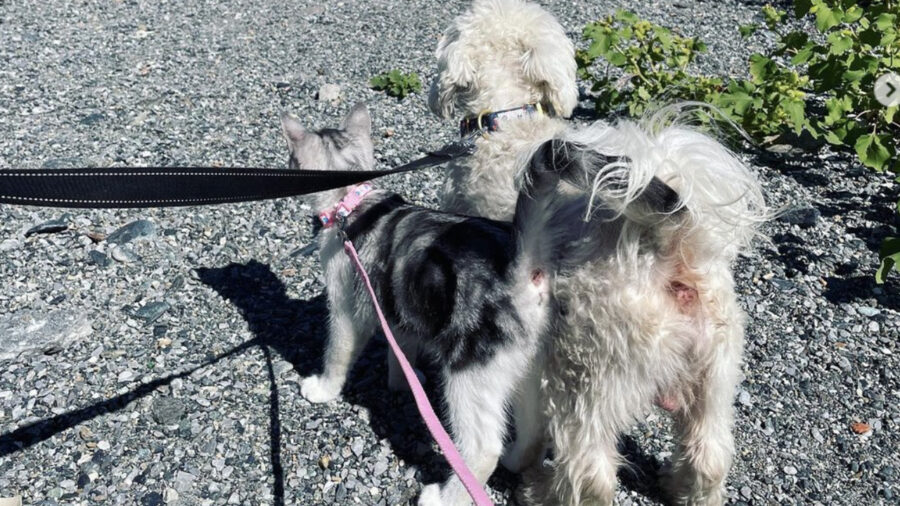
831 73
396 83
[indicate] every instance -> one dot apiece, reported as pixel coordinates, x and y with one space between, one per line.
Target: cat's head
346 148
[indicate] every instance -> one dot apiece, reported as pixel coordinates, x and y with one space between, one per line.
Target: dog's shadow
642 472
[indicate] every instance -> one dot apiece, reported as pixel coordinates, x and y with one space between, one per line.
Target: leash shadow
36 432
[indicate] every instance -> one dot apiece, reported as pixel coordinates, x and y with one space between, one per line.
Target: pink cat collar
346 205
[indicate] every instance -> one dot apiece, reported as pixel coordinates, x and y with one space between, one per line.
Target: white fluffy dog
648 307
501 55
648 313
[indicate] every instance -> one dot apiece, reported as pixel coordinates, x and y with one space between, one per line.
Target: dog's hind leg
477 397
706 446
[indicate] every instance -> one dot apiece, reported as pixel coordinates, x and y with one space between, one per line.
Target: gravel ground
151 357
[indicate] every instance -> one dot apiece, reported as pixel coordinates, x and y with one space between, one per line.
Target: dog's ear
292 131
454 73
549 63
358 122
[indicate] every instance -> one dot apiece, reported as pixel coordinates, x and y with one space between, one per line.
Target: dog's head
502 54
346 148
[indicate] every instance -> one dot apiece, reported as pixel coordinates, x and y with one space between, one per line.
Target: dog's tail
553 202
684 185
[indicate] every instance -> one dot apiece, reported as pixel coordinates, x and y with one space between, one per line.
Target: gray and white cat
471 292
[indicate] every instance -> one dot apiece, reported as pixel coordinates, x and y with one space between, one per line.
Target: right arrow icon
887 89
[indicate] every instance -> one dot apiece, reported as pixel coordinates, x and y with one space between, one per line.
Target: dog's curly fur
498 55
650 317
649 312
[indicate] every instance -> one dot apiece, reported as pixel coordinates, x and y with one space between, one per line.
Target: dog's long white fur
651 315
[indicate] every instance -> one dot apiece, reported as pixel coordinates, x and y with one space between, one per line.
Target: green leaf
616 57
886 21
836 107
626 16
737 101
840 43
794 40
835 137
599 46
853 13
890 258
760 67
889 114
796 111
396 83
872 152
747 30
804 54
772 16
826 74
827 18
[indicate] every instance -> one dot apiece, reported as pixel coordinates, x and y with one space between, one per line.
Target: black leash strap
190 186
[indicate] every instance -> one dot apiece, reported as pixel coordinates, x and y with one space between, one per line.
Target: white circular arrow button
887 89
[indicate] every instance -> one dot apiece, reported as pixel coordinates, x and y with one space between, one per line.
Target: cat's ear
292 130
358 121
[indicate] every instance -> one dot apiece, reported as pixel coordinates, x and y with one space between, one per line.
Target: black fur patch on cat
440 276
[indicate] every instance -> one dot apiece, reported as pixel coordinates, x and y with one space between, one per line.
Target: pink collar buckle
346 205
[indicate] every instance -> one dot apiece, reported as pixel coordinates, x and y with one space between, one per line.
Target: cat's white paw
315 389
431 495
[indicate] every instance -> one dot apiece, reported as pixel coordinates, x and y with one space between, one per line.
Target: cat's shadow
296 330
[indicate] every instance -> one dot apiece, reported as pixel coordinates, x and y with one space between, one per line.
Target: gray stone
329 93
184 481
48 227
9 245
98 258
151 312
132 231
868 311
123 255
167 410
805 216
358 447
35 331
92 119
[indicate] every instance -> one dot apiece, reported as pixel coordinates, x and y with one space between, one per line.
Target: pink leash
425 410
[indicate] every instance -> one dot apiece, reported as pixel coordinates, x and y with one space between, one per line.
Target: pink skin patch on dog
685 296
667 403
537 277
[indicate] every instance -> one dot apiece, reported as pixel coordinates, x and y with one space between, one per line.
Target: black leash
187 186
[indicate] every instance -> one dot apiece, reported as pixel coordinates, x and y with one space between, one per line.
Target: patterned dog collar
490 121
346 205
